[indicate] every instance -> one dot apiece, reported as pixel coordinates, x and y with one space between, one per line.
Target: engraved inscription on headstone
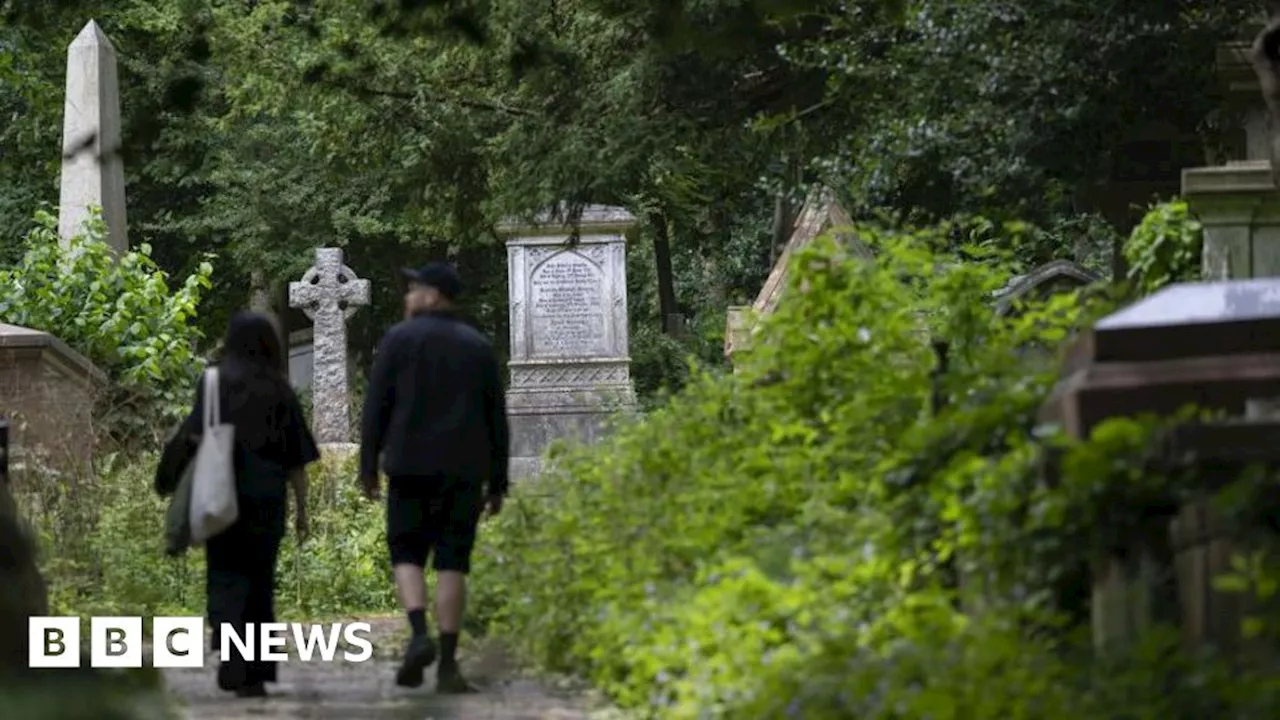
567 306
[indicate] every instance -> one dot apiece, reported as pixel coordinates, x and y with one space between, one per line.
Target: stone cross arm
329 284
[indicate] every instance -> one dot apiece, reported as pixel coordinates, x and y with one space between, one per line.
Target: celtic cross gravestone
329 293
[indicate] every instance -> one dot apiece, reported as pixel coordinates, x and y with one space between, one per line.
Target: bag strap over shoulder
212 402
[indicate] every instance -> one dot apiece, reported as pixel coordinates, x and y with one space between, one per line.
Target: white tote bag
213 484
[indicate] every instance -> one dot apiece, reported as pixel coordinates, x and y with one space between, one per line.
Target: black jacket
435 404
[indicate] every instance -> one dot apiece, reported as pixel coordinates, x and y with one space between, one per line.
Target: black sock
418 621
448 651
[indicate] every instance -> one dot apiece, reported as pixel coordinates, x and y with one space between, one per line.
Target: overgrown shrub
799 539
119 313
1165 247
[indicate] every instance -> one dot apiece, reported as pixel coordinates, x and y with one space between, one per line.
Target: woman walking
273 446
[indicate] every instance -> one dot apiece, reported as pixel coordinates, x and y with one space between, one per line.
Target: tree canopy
259 130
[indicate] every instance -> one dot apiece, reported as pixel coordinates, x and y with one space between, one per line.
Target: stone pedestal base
1239 207
338 452
540 416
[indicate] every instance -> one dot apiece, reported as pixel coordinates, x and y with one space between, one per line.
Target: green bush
119 313
789 540
1164 248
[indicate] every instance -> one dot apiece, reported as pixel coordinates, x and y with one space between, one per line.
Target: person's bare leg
451 599
411 587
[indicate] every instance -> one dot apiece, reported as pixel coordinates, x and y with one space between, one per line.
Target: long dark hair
255 390
251 342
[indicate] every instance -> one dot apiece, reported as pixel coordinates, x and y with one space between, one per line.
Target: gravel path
367 691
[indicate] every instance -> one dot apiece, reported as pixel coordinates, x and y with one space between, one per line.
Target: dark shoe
257 690
451 682
232 676
264 671
418 656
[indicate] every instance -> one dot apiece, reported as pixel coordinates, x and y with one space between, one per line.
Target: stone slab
568 303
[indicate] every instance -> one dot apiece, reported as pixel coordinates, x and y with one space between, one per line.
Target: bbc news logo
178 642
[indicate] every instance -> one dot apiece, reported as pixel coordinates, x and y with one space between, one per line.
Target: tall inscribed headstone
570 360
92 169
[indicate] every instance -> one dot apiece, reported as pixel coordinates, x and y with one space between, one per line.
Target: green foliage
89 695
1165 248
119 313
103 550
787 541
1012 109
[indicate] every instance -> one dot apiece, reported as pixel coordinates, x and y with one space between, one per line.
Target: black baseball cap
439 275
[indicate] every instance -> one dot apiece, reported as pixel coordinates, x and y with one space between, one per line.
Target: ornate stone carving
568 375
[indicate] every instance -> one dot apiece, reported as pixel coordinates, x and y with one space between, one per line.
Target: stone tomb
570 363
1213 345
47 392
822 213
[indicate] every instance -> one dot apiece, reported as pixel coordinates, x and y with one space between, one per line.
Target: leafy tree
1005 109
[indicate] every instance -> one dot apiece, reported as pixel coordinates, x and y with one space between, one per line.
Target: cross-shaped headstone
329 294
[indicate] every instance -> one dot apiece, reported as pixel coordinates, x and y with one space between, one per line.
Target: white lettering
243 644
273 635
353 637
306 644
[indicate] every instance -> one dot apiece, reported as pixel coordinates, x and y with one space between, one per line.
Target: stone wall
47 391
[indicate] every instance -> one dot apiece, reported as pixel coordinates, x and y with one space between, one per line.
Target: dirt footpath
367 691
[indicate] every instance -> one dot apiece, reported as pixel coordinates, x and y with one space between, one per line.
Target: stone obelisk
92 169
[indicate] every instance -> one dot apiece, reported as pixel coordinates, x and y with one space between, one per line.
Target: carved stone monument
92 170
1237 203
570 363
329 293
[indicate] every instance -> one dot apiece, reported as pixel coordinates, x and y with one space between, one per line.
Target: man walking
435 416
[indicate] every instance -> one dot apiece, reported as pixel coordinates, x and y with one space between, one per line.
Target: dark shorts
433 516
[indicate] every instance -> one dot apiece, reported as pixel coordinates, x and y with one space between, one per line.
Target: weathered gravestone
329 293
92 168
1055 276
570 363
1212 345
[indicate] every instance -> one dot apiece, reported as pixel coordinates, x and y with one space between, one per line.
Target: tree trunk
1265 56
259 292
666 278
260 302
784 211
